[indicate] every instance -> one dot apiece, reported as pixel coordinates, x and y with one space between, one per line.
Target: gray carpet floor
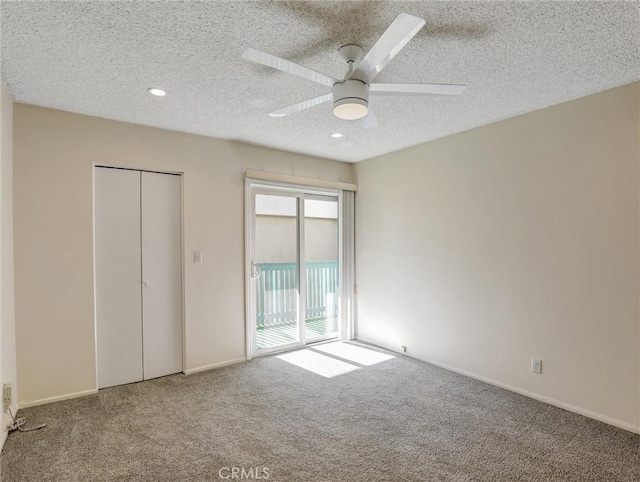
397 420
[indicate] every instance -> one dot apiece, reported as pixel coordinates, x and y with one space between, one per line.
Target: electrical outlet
6 397
536 365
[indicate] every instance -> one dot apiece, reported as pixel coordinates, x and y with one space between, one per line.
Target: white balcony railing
278 293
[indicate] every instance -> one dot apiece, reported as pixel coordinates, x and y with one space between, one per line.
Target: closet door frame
182 260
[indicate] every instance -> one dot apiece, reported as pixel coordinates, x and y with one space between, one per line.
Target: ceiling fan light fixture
350 109
350 99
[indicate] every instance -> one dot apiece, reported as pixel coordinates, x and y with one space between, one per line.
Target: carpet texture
396 420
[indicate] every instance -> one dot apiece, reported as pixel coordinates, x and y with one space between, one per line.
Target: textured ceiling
99 57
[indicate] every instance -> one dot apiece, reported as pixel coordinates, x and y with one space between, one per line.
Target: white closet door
161 274
118 263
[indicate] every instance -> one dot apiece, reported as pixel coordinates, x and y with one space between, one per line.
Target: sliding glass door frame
252 188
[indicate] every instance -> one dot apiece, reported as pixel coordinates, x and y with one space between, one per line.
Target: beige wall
7 323
514 240
54 156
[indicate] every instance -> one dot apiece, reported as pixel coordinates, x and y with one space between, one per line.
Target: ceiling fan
351 95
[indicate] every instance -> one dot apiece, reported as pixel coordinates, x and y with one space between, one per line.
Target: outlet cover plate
536 365
6 396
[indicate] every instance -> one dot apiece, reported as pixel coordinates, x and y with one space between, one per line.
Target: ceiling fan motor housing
351 99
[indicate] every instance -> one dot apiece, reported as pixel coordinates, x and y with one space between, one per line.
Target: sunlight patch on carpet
356 354
317 363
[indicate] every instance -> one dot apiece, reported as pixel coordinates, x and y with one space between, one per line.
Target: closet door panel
118 287
161 274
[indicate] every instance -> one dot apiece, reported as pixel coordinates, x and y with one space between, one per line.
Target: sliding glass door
293 258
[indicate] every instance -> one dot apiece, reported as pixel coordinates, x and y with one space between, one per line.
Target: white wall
54 156
7 322
514 240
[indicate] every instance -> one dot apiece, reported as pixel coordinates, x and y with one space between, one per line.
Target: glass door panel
321 267
275 268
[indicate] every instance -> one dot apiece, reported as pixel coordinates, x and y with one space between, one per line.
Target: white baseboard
59 398
68 396
556 403
191 371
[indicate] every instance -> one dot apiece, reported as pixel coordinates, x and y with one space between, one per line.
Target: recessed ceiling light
157 91
337 134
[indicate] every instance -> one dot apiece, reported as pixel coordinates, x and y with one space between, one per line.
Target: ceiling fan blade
416 89
401 30
369 121
305 104
287 66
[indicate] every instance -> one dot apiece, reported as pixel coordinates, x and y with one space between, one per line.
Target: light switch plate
197 257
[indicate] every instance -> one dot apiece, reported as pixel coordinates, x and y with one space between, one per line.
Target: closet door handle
145 283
